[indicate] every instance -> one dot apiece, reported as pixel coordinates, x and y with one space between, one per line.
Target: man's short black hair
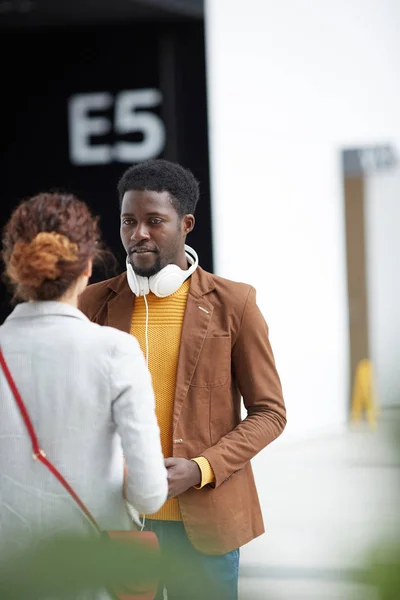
163 176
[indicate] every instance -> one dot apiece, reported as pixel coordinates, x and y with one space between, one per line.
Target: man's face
152 232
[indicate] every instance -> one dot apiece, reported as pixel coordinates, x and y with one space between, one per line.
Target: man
207 346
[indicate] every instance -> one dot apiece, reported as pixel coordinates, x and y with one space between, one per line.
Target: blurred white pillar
291 83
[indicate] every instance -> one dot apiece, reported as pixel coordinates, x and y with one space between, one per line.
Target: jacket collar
201 283
29 310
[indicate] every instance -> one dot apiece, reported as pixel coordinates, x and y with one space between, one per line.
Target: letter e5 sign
132 114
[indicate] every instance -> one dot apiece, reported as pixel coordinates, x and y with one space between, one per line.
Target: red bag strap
37 452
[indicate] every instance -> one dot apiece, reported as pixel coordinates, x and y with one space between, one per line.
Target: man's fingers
171 491
169 462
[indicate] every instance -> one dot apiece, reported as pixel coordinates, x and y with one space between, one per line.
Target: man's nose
140 233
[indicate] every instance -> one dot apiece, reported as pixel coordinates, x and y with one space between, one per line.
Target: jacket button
178 441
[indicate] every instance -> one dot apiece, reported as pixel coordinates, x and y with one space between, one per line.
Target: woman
86 387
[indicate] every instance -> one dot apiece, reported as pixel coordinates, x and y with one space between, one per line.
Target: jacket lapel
196 321
120 307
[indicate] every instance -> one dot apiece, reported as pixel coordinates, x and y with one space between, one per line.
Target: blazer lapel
120 307
196 321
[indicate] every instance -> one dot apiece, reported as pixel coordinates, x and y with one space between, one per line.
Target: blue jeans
193 575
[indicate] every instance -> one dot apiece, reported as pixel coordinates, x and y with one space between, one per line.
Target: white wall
291 83
383 245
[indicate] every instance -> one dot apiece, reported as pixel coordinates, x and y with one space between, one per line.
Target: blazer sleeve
258 381
133 408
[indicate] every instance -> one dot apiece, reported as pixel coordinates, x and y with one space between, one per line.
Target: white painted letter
82 127
129 118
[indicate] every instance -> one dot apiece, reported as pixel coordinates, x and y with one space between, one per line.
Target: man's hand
182 475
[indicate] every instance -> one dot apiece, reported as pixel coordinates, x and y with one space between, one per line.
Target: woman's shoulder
111 351
112 339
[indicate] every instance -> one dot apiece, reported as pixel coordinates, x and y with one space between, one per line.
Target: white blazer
90 398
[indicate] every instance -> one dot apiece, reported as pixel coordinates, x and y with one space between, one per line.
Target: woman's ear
89 270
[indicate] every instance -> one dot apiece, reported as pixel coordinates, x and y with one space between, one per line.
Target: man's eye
127 222
155 221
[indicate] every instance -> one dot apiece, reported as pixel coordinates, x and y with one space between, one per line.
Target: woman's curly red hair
47 244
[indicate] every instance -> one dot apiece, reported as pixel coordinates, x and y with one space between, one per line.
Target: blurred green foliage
65 565
383 570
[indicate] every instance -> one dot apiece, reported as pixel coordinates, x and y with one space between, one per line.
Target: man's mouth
141 251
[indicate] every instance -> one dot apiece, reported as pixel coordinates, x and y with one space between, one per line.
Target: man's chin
145 271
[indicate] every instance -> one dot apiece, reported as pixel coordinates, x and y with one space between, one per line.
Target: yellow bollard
364 399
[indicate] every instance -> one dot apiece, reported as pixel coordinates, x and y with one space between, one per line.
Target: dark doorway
141 83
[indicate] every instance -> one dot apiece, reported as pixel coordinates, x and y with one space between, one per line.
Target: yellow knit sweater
164 334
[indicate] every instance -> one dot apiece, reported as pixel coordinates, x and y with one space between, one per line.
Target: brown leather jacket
224 355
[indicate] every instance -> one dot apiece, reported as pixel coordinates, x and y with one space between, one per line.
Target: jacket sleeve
254 369
134 415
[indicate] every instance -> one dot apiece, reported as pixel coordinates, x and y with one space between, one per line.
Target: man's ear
188 223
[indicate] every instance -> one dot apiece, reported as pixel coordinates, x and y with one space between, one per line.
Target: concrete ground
325 503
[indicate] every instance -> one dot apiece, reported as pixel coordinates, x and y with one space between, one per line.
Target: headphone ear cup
139 285
167 281
143 284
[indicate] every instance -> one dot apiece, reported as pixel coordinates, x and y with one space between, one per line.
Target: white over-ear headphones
165 282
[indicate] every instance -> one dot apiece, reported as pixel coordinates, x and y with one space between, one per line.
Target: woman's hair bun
32 263
49 242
